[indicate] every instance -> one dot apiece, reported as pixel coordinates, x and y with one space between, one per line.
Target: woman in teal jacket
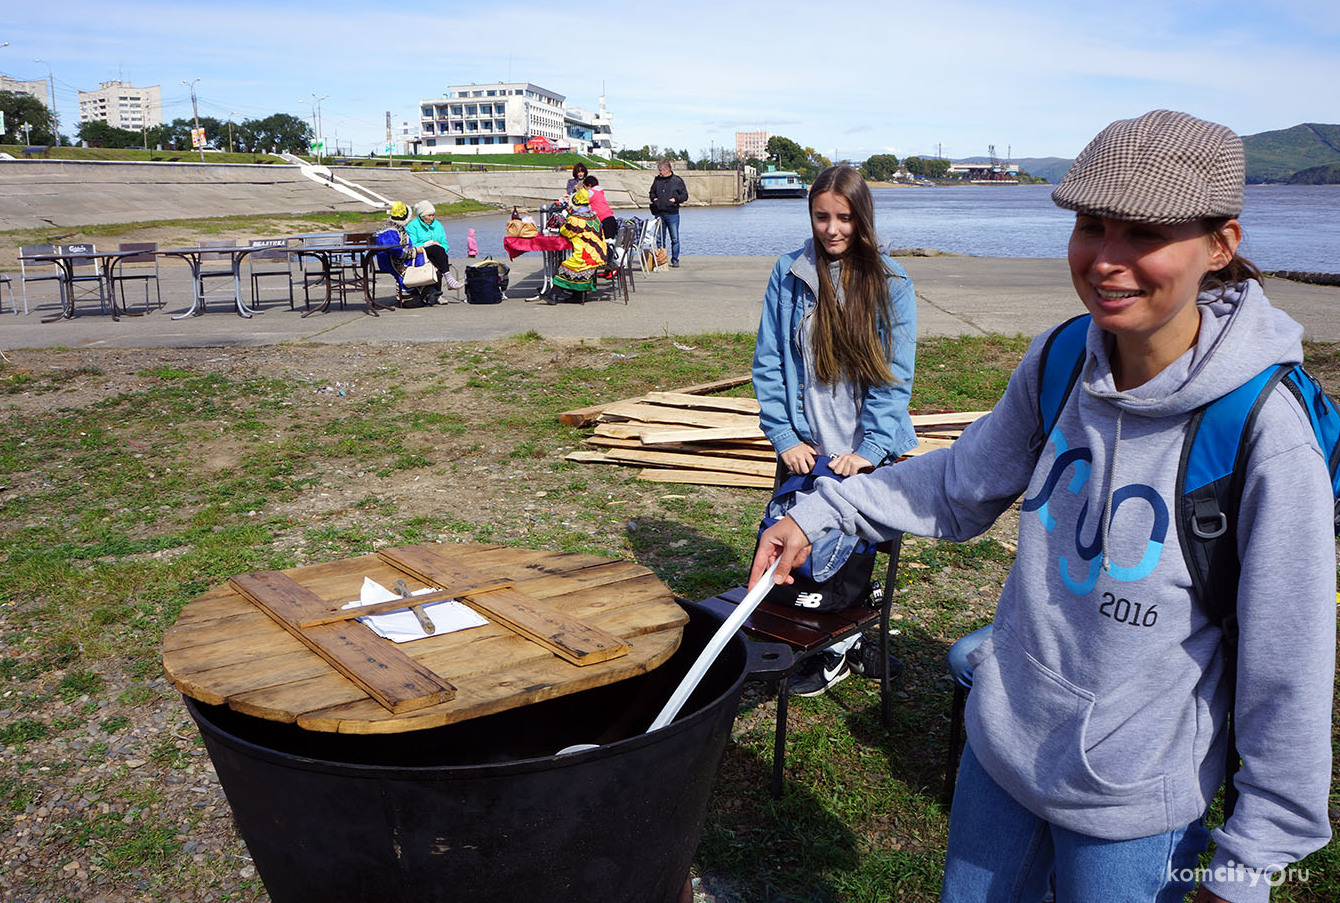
427 233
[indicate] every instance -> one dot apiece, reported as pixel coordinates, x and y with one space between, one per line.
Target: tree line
784 154
277 132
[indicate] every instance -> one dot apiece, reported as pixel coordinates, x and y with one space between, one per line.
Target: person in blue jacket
833 363
1096 738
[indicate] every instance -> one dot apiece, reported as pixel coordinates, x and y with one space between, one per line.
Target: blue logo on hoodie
1090 554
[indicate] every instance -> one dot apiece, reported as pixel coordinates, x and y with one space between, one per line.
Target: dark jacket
663 189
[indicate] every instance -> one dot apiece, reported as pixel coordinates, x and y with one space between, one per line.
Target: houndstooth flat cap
1162 167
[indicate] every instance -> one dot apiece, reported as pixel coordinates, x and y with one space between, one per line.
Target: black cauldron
485 810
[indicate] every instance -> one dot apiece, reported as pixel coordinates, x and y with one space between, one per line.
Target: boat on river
779 184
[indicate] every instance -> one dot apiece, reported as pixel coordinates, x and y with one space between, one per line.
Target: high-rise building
751 144
122 106
36 88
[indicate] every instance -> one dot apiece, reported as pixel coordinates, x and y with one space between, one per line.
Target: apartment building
122 106
35 88
751 144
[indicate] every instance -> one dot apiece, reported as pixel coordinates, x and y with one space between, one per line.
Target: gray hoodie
1098 704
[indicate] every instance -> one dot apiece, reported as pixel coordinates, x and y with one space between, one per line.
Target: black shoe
863 658
819 673
674 263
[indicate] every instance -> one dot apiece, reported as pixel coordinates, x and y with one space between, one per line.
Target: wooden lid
264 645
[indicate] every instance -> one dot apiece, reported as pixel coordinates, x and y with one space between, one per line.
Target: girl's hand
846 465
785 542
798 458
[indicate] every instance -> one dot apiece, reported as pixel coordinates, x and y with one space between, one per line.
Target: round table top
237 644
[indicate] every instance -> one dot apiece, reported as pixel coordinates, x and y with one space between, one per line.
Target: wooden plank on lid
393 679
567 637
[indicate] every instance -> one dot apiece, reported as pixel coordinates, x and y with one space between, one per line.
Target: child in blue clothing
833 362
1096 742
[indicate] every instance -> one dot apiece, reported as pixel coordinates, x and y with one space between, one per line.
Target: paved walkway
957 296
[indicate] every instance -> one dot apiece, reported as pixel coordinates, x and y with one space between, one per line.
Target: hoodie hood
1237 340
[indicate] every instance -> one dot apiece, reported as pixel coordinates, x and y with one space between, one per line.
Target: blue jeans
999 852
670 221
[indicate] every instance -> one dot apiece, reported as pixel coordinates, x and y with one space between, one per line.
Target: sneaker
863 658
819 673
674 263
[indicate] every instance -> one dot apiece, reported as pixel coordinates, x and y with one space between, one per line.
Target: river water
1287 227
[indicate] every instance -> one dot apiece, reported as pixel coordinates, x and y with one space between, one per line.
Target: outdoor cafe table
328 255
195 258
65 262
552 246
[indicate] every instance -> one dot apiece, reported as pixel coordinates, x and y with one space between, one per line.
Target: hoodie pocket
1031 723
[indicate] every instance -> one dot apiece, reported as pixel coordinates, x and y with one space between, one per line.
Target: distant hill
1307 154
1276 156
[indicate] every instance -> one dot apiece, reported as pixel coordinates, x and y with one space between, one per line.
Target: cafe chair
36 271
313 269
86 277
271 261
809 633
347 272
217 265
9 284
143 268
961 673
619 270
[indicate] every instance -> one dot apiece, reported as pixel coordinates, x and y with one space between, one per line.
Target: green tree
24 108
927 167
277 132
880 167
97 133
789 156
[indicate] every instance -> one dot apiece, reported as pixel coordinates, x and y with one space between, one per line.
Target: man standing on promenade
667 193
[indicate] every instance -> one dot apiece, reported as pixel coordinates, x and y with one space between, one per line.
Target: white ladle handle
713 649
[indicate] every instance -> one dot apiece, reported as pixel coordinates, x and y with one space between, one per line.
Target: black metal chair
272 260
143 268
809 633
313 270
36 271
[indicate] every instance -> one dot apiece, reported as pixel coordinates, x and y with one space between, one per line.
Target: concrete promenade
956 295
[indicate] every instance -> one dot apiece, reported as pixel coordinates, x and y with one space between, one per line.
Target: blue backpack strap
1058 370
1210 477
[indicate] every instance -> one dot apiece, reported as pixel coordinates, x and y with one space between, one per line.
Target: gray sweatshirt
1099 703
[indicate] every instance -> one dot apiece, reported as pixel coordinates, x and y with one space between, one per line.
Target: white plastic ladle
705 658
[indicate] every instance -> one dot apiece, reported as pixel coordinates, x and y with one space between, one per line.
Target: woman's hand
798 458
846 465
784 541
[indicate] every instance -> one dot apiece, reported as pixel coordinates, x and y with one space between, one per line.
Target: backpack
850 584
1210 476
485 281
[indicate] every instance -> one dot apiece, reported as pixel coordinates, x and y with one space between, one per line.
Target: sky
1033 78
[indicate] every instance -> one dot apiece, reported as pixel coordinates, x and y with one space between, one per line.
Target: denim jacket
779 368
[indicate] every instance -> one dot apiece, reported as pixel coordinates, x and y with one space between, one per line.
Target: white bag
419 275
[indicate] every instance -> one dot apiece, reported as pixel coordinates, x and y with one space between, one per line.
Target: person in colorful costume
577 272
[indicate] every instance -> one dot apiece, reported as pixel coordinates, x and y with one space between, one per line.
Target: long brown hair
846 337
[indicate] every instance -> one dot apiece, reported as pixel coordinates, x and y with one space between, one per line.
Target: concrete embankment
68 194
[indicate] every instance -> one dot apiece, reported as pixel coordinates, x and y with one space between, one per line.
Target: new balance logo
810 600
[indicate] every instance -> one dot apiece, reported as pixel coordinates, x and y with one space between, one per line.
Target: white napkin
401 626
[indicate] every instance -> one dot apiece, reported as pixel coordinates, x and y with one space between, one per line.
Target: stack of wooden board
689 436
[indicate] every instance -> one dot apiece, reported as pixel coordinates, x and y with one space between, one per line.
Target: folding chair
809 633
36 271
9 284
85 270
144 268
272 260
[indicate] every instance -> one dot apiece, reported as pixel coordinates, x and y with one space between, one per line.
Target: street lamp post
51 85
195 112
230 130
